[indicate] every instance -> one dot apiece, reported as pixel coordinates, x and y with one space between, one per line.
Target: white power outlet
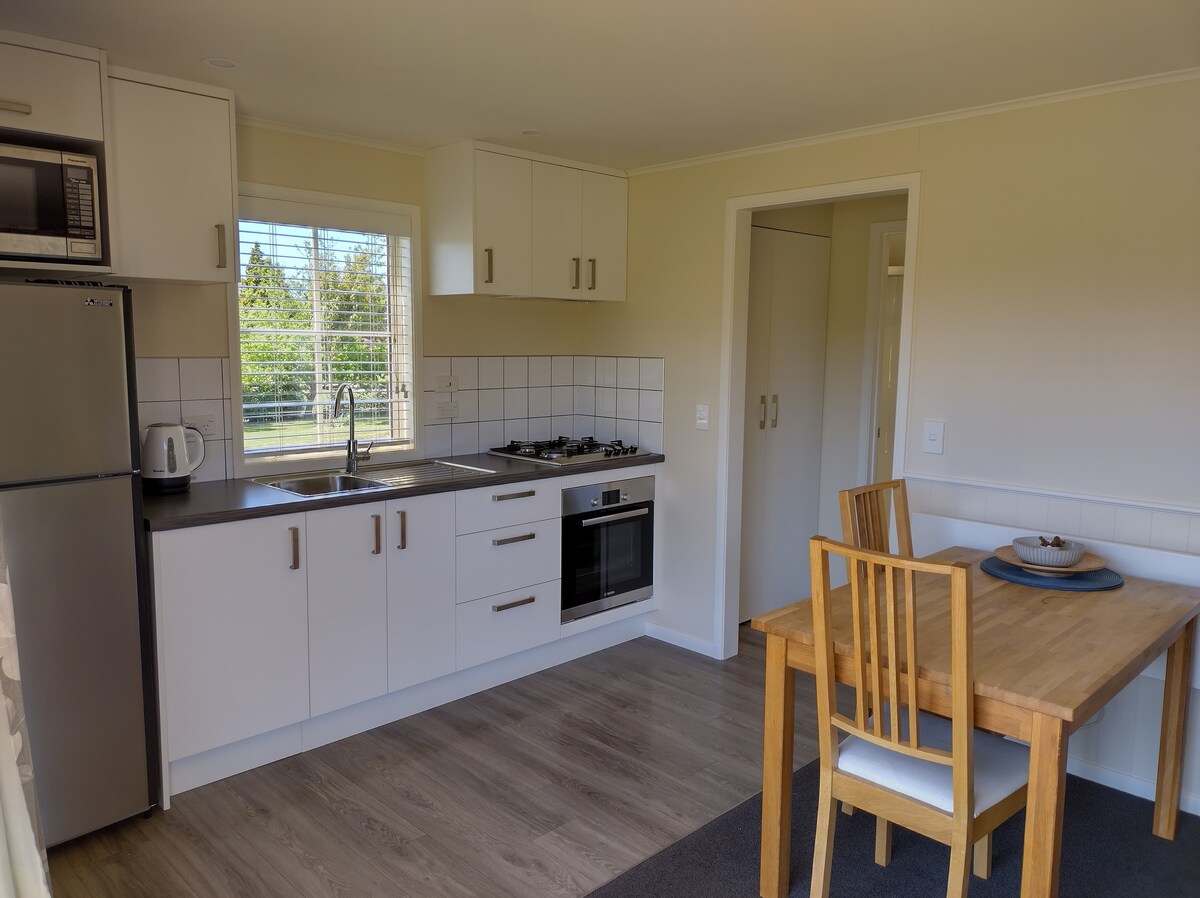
447 409
206 424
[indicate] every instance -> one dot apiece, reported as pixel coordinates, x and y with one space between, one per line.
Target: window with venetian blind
325 297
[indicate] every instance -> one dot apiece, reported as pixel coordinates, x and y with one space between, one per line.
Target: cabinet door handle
528 600
509 540
16 106
592 278
295 531
775 410
376 521
762 412
524 494
222 262
403 544
488 254
575 268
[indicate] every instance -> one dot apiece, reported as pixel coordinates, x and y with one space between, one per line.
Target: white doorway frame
734 310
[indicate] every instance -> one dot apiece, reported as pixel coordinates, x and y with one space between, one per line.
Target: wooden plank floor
547 786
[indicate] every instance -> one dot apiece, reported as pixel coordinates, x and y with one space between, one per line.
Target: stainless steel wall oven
607 546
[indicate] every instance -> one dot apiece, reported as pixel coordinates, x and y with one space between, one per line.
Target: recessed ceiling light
533 132
218 62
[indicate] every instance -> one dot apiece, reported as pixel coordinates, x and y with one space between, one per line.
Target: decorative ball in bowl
1056 552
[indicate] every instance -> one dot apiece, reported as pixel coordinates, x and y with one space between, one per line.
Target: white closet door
789 289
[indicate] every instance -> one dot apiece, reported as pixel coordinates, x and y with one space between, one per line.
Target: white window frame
263 202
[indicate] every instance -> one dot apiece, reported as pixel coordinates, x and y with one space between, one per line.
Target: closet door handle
774 410
575 267
592 270
295 565
762 412
403 544
488 254
376 522
222 261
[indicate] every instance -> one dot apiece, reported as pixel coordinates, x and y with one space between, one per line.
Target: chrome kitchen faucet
353 456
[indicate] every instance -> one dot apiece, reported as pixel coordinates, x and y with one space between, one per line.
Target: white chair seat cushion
1001 766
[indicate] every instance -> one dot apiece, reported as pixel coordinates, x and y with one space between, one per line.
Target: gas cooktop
566 451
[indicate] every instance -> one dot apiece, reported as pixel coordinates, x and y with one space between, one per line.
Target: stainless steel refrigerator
70 537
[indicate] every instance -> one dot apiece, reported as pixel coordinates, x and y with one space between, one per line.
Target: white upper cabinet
579 228
52 91
504 224
173 180
478 221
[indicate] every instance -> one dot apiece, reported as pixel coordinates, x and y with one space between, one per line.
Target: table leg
1044 814
778 726
1174 720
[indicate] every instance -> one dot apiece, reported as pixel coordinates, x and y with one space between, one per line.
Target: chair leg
823 848
847 809
982 861
883 841
960 869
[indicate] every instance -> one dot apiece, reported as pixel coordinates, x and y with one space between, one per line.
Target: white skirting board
1121 748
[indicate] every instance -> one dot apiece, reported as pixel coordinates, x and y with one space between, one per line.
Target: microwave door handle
619 516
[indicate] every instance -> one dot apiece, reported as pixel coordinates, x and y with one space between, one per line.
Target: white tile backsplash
200 379
539 402
491 372
562 371
516 402
157 380
585 370
629 373
585 400
516 371
651 374
466 370
562 400
464 439
179 391
539 371
606 371
491 405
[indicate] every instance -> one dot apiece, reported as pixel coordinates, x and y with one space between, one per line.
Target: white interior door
785 386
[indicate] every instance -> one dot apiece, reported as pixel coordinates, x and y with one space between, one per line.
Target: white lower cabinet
233 631
347 606
506 623
508 558
420 589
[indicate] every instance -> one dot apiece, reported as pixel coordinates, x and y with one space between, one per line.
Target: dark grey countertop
221 501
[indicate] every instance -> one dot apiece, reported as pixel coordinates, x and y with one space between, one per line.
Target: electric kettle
170 453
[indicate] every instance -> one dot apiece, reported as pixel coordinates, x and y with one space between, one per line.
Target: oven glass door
608 558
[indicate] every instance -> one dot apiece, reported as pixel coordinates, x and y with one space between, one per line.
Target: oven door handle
619 516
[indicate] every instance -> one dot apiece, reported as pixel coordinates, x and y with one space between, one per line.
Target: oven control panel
603 495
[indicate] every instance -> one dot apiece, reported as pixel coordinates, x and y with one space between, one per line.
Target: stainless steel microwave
49 206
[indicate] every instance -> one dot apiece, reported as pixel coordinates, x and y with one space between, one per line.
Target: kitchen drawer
511 503
507 623
495 561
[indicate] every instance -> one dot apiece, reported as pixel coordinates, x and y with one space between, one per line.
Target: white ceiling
625 83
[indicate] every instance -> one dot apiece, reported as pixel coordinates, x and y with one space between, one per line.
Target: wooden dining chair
942 778
866 511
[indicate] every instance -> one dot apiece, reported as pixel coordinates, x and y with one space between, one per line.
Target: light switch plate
702 417
445 383
934 433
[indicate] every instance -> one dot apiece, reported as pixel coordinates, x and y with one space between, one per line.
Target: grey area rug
1108 850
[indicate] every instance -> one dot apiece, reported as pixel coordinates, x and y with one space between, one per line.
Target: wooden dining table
1045 661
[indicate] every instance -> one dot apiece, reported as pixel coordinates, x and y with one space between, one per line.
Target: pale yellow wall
171 321
1055 304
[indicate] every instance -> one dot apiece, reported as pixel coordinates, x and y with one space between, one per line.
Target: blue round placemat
1085 581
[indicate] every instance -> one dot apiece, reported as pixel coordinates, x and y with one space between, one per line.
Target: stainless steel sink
320 484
